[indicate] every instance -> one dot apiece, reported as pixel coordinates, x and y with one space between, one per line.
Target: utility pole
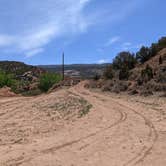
63 66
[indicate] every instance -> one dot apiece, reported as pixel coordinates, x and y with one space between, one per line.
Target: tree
108 73
143 54
124 60
156 47
123 74
162 43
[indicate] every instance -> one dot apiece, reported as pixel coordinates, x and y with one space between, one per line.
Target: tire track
152 136
123 111
122 118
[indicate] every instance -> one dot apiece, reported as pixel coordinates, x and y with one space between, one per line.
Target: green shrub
161 43
47 80
144 54
7 80
108 73
147 74
124 74
124 60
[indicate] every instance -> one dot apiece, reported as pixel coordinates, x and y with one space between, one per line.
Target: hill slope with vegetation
14 67
26 79
141 73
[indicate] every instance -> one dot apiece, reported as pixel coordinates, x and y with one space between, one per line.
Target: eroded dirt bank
51 130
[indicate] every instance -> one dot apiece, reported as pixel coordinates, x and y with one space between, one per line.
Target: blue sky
88 31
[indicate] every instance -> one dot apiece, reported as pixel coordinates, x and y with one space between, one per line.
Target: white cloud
31 24
127 46
101 61
109 43
34 52
112 40
34 23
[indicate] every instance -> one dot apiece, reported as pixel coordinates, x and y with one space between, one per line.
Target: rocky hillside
21 78
151 75
19 68
145 78
158 65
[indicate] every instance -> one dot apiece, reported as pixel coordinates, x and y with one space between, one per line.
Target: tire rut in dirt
152 136
123 117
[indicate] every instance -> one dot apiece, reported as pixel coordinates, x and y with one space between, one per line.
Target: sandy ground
118 131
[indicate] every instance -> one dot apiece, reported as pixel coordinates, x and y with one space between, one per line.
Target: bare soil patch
50 130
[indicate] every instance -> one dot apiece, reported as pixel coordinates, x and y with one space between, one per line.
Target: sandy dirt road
118 131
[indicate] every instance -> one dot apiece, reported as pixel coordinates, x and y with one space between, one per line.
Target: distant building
72 73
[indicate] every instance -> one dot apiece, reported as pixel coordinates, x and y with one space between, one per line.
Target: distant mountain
73 70
19 68
15 67
77 70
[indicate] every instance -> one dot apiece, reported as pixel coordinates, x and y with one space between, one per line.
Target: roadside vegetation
47 80
26 80
7 80
124 62
145 53
141 72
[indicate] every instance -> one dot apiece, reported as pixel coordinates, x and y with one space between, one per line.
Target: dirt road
118 131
